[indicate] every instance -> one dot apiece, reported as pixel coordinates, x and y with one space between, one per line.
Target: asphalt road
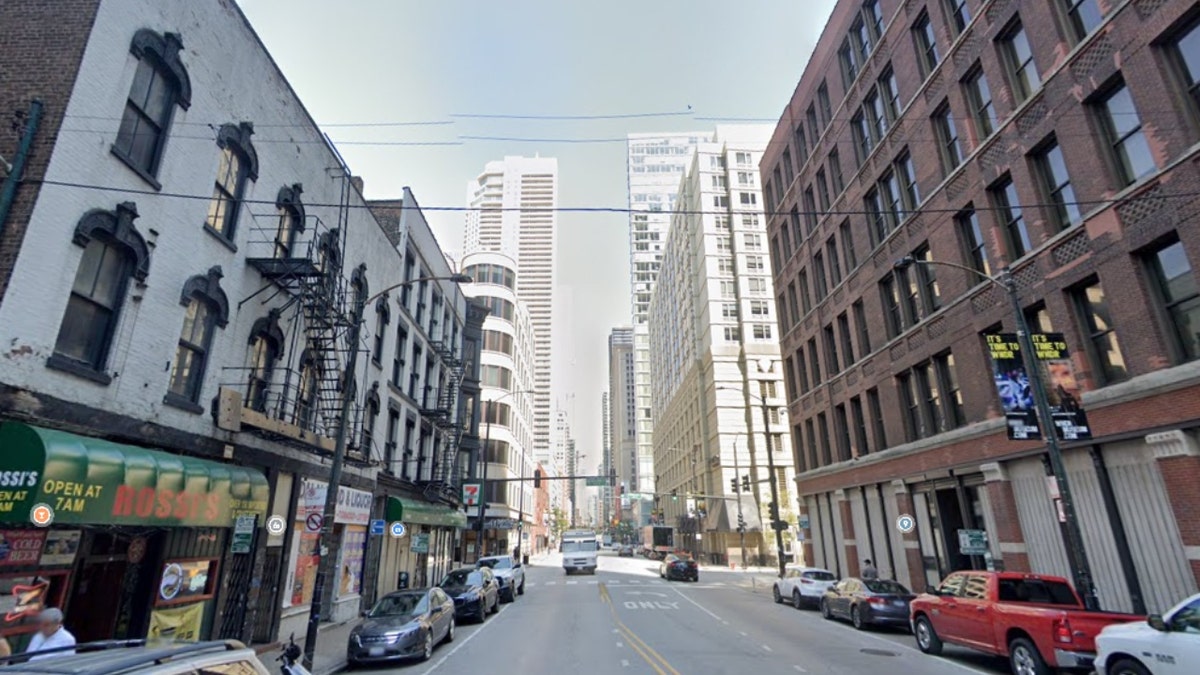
625 620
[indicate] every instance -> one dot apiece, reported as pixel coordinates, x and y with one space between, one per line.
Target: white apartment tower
656 163
716 373
513 212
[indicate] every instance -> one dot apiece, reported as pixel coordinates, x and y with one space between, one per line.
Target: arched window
359 288
238 164
159 84
329 255
383 316
291 220
113 252
207 309
370 417
308 390
266 346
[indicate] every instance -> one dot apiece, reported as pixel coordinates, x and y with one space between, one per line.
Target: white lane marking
724 622
551 583
593 583
702 607
635 582
766 647
799 669
463 643
620 645
616 631
743 633
624 663
572 583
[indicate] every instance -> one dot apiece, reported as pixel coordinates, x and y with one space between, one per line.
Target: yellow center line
636 643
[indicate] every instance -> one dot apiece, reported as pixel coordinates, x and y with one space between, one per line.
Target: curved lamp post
1076 553
325 534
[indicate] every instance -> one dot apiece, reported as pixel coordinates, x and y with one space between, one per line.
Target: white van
578 550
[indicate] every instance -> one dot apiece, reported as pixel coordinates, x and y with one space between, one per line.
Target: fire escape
442 410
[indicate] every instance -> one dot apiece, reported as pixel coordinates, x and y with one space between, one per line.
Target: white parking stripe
572 583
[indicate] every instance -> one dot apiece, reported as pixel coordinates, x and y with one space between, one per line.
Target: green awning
413 512
91 481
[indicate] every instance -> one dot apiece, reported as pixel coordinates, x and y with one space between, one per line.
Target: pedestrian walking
869 571
51 635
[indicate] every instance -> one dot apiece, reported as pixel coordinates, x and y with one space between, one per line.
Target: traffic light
773 508
746 483
537 478
733 484
741 523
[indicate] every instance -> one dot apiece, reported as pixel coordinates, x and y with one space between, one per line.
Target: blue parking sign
377 526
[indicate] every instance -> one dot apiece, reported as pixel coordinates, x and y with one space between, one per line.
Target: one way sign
470 494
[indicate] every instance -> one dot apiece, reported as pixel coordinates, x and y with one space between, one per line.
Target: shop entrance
944 509
102 606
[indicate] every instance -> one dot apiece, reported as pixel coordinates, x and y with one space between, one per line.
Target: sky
435 62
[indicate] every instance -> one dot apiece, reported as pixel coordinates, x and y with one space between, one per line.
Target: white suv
1162 645
803 586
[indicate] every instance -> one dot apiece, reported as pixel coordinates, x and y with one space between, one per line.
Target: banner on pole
1016 395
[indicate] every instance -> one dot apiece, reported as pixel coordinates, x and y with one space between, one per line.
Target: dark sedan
679 567
476 592
866 602
403 625
625 551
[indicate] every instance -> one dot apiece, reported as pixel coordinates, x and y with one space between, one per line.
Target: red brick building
1058 138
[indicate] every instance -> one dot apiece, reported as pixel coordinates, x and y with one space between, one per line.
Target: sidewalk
330 657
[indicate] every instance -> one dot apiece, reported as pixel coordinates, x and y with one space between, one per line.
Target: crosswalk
632 582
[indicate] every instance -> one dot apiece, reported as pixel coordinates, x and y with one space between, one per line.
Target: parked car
1163 645
475 592
1037 622
679 567
867 602
135 657
403 625
803 586
625 551
508 572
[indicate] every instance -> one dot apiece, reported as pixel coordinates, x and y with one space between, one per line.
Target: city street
626 620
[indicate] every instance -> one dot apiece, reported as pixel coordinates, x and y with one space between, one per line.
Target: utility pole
774 510
741 526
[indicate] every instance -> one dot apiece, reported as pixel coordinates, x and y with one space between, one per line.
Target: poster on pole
1016 393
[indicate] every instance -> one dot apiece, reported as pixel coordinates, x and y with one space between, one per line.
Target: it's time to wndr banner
1016 395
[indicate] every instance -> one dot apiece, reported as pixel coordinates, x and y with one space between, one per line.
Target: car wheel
1025 659
797 599
778 597
521 590
450 630
427 650
856 618
1127 667
927 638
825 610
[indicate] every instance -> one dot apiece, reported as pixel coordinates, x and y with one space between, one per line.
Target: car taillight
806 581
876 600
1062 631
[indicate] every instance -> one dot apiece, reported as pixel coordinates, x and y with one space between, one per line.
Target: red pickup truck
1037 622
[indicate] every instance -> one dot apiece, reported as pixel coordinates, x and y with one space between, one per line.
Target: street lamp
325 534
765 365
1076 553
482 472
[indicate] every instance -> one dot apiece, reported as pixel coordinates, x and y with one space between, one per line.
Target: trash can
525 559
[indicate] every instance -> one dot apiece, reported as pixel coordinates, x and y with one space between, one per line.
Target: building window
973 243
266 346
801 143
926 42
1011 218
860 34
860 320
793 303
725 265
1104 350
848 60
304 412
876 117
835 172
911 194
290 221
1083 16
238 163
814 362
874 17
383 317
759 308
814 125
889 294
810 211
207 308
823 425
732 334
729 311
753 241
805 294
979 96
1180 297
843 322
823 189
113 253
755 263
893 206
788 173
877 220
762 331
1038 319
863 142
947 375
801 371
835 266
848 246
823 101
842 430
947 136
370 418
1123 131
159 84
859 421
832 364
923 297
748 198
402 349
1017 55
1052 170
819 267
875 409
889 93
958 14
1185 52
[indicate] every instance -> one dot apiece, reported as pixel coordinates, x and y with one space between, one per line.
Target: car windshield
401 604
885 586
819 575
463 578
578 546
497 563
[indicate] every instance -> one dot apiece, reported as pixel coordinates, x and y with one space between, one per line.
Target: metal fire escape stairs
444 415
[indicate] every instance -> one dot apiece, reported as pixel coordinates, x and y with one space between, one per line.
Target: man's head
50 620
867 562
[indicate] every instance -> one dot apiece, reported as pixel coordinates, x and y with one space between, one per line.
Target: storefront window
350 564
303 574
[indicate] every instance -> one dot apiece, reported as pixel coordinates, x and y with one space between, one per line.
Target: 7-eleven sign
470 494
